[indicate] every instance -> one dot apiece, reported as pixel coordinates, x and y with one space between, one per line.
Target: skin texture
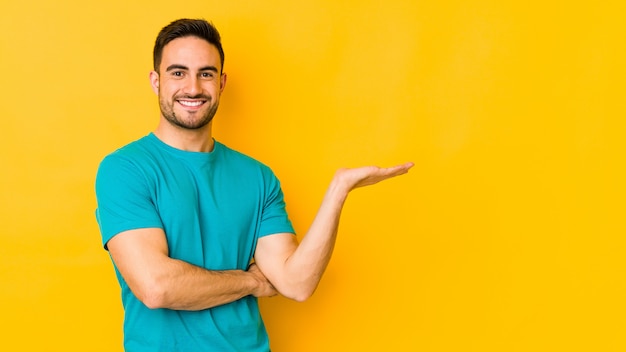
189 84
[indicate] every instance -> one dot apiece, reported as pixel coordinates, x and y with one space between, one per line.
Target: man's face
189 82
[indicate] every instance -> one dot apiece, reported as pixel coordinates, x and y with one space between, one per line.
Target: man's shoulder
127 157
140 146
135 150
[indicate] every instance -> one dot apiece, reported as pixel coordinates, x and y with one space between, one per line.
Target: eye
207 75
177 73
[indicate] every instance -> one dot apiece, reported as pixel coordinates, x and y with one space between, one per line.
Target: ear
223 82
154 81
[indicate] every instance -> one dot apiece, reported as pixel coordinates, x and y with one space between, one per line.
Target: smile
191 103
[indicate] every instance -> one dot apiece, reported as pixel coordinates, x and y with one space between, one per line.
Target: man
197 231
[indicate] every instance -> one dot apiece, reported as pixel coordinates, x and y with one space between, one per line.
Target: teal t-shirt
213 207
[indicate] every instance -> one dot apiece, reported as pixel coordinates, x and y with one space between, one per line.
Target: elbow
152 295
153 301
299 294
301 298
299 288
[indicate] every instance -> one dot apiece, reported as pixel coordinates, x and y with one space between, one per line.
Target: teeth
190 103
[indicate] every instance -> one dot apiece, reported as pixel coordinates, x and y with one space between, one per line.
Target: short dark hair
185 27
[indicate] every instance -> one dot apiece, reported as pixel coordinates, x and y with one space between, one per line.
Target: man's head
188 75
186 28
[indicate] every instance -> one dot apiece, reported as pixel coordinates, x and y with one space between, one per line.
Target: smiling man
195 59
197 231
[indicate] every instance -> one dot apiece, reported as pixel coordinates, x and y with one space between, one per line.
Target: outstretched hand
369 175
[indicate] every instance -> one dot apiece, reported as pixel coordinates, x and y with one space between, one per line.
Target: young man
183 216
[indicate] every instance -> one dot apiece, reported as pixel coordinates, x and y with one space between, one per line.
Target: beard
195 120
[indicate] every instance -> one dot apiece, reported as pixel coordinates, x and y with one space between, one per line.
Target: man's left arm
295 269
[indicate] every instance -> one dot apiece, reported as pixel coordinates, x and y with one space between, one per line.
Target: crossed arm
282 265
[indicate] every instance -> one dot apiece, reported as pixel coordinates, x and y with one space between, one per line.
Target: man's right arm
142 257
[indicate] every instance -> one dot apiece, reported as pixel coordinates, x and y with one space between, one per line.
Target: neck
199 140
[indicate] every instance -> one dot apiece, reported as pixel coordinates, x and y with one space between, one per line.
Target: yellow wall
508 235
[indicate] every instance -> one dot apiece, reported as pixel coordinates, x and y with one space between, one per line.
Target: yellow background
508 234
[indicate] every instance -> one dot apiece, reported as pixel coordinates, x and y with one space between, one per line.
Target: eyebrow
209 68
182 67
176 67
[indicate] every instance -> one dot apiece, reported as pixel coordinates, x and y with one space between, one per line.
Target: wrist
338 188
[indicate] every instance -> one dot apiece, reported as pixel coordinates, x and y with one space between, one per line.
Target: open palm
369 175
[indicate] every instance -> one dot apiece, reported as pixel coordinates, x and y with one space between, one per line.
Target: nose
192 86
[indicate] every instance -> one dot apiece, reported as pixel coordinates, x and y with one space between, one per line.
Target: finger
398 169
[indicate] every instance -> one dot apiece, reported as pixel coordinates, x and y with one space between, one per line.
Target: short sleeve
274 218
124 198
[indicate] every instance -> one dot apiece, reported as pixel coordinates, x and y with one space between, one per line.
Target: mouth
191 103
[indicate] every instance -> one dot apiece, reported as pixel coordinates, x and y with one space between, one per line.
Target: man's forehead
190 50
